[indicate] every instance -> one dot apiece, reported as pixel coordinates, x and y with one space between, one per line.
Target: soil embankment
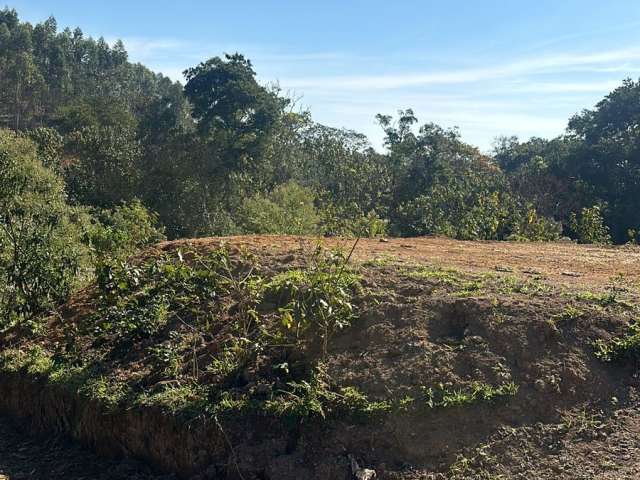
425 358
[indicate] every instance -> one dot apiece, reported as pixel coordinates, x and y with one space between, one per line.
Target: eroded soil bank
493 367
25 456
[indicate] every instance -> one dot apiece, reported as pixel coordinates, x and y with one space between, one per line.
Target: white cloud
529 96
556 63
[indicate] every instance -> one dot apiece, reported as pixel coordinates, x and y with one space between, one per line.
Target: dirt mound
271 358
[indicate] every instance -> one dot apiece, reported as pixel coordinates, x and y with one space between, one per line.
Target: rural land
199 281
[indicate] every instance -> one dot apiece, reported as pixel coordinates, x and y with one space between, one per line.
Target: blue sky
488 67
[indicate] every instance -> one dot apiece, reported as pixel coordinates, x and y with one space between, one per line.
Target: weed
109 392
35 360
176 398
569 313
355 403
168 356
464 285
582 422
444 397
530 286
475 466
625 348
316 299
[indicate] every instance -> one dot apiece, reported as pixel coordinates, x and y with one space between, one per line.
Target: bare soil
24 456
435 312
564 262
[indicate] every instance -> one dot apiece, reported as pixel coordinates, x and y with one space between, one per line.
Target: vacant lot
271 357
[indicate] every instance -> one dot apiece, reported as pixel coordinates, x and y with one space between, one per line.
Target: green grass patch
442 396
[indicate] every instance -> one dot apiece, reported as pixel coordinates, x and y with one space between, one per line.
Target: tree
608 157
41 256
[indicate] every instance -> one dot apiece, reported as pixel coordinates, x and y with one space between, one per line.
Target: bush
120 232
315 300
351 222
588 226
473 215
41 255
288 209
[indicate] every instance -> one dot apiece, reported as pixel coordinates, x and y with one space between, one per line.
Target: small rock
531 271
571 274
365 474
361 473
503 268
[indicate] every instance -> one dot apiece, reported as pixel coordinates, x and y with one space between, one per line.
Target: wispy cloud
555 63
526 96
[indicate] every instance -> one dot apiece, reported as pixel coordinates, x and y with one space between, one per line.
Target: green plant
34 361
619 349
176 398
138 300
588 226
108 391
316 299
288 209
570 312
119 232
41 256
442 396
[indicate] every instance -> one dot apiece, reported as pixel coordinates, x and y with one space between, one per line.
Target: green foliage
315 300
41 256
620 349
351 222
34 361
138 300
589 227
287 209
119 232
204 156
442 396
103 167
176 398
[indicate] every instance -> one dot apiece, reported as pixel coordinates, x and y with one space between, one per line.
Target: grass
34 361
442 396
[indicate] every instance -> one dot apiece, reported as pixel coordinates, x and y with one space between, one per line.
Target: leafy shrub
464 213
138 300
288 209
41 255
443 397
588 226
317 299
351 222
530 226
123 230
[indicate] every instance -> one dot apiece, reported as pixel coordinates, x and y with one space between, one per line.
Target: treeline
224 154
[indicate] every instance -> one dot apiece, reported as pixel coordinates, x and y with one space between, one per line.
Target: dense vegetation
100 156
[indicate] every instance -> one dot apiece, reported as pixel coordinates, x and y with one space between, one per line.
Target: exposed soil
24 456
432 313
566 262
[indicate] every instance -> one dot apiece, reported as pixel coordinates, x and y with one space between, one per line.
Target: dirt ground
573 417
565 262
26 457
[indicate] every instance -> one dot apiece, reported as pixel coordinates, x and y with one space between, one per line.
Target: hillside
274 358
